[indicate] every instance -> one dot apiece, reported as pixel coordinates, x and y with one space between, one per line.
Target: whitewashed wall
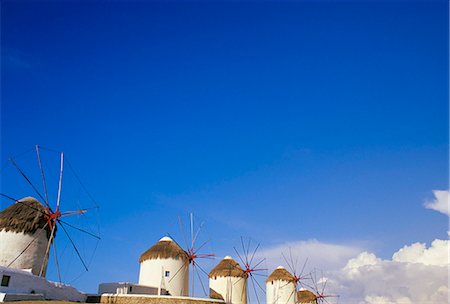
232 289
13 243
152 273
280 292
24 282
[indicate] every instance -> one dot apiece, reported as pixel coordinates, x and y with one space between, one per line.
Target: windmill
252 268
298 277
319 289
33 217
194 253
282 286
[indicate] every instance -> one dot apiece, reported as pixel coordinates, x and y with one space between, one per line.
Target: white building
165 266
22 285
128 288
20 224
227 281
280 287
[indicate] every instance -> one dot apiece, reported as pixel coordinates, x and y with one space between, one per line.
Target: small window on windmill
167 274
5 280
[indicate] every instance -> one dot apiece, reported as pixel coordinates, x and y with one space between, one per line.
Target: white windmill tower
227 281
280 287
28 227
165 265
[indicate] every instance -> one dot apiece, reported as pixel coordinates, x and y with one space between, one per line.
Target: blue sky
280 121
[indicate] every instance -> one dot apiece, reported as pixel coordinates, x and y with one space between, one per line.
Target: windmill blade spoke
202 245
324 285
307 285
9 197
61 168
210 256
259 274
259 263
303 284
244 290
79 229
178 271
67 162
287 283
21 202
303 268
291 258
201 283
182 231
47 251
201 269
43 176
290 296
287 262
248 250
198 231
258 284
238 280
254 252
316 288
57 261
192 229
243 250
29 244
75 212
254 288
74 247
240 258
26 178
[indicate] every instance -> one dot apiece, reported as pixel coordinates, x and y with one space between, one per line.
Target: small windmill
251 267
194 253
298 277
46 218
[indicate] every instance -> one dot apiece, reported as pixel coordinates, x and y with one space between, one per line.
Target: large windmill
194 247
29 226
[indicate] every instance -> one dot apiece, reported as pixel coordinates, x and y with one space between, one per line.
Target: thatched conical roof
306 296
280 274
27 215
227 268
166 248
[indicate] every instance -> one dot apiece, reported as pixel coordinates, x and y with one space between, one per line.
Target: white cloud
415 274
440 202
437 254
